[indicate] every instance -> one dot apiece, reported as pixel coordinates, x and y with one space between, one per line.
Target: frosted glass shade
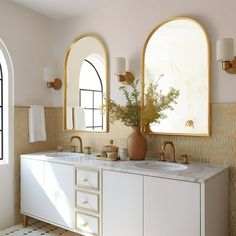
120 67
225 49
47 74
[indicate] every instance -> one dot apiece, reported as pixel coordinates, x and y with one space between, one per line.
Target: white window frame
8 106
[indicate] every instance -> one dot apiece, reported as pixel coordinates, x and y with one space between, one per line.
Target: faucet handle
162 156
87 150
73 148
185 159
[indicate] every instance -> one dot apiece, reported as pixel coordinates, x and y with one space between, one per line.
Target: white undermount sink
64 155
165 166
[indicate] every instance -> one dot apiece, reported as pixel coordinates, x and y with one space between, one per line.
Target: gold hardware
25 220
87 150
56 84
229 66
173 149
189 123
97 218
126 79
77 137
85 186
86 207
84 225
162 156
74 148
185 159
85 202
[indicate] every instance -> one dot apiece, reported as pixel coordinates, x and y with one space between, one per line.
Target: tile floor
36 228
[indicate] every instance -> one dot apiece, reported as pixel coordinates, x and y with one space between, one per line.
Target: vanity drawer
87 201
87 223
87 179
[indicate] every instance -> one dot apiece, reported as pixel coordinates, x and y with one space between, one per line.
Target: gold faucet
173 149
80 140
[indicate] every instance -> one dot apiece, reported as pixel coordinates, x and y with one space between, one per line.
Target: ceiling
61 9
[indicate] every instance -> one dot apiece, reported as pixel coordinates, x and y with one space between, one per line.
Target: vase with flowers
137 115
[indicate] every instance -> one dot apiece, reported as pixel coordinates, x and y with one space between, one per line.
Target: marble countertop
193 172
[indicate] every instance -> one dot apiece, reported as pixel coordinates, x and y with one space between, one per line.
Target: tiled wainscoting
219 148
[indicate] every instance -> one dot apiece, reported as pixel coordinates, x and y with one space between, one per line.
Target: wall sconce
125 77
225 54
48 77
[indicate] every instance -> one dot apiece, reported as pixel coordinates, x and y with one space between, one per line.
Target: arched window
92 76
6 127
1 112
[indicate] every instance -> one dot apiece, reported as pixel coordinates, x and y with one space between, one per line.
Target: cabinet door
32 187
122 204
171 207
59 182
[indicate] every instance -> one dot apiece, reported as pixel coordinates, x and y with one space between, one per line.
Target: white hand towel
37 131
69 117
79 118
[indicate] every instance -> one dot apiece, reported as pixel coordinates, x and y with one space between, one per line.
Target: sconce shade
225 49
47 74
120 67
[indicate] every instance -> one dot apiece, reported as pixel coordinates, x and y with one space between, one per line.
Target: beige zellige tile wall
219 148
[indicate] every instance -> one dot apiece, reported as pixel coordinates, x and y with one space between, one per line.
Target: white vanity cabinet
122 204
32 187
171 207
118 199
139 205
47 191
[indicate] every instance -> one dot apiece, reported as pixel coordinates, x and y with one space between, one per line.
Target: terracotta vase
147 129
137 145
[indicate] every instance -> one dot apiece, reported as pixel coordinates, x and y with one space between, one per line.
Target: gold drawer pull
84 225
85 180
85 202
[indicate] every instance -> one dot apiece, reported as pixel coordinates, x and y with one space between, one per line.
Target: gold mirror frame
209 76
105 49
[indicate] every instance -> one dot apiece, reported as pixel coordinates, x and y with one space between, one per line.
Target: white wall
28 38
125 28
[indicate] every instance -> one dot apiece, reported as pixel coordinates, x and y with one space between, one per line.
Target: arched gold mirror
176 55
86 85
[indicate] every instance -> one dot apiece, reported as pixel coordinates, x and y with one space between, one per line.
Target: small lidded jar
109 149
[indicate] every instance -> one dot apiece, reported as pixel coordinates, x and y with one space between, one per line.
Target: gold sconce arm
126 79
47 77
56 84
229 66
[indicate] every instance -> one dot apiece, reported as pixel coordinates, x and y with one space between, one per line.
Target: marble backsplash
219 148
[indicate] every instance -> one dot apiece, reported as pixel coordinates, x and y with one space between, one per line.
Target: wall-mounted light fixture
48 77
225 54
125 77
